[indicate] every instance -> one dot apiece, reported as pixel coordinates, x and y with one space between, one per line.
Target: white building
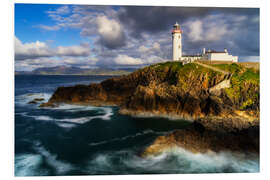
210 55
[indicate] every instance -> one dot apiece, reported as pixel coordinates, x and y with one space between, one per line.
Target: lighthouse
176 42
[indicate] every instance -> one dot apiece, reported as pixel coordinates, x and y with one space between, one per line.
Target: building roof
213 51
192 55
176 24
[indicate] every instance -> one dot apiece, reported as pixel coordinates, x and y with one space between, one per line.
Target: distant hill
65 70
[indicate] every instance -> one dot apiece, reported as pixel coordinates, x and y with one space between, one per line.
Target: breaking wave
25 98
103 113
27 165
174 161
40 164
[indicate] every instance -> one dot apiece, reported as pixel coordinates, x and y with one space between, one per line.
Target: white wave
61 167
183 161
175 160
21 113
74 107
66 125
148 131
31 164
80 120
28 165
42 118
107 116
26 98
108 112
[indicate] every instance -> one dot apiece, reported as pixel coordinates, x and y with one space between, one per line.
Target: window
179 46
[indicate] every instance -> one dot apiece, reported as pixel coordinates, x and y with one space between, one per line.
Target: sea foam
177 160
61 167
71 122
28 165
25 98
31 164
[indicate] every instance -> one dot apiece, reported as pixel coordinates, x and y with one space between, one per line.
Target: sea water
88 140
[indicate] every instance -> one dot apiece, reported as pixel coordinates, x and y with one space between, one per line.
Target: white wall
222 57
177 46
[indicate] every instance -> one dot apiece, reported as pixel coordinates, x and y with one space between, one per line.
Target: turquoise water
87 140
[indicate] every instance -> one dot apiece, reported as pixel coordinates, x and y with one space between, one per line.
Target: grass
177 73
232 68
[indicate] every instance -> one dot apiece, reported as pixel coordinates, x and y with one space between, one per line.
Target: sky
48 35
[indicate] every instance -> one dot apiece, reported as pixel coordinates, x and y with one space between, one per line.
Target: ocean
88 140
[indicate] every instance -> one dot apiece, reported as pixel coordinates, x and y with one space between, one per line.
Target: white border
201 3
7 83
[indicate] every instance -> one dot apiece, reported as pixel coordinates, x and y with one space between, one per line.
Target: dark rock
38 99
198 139
32 102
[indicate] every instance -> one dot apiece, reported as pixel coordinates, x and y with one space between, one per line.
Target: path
211 67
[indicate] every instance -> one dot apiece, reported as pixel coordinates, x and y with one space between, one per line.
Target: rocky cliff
219 102
190 91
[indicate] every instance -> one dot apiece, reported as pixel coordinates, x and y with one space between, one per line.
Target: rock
35 101
32 102
216 90
38 99
201 140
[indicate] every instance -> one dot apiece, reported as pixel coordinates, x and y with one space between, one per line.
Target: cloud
154 48
49 28
39 49
100 21
217 31
81 50
61 10
196 30
156 18
126 60
208 29
31 50
111 33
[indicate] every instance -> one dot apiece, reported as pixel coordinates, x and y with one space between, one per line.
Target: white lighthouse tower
177 42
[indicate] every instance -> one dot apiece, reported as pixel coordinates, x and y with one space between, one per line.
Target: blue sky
48 35
28 17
